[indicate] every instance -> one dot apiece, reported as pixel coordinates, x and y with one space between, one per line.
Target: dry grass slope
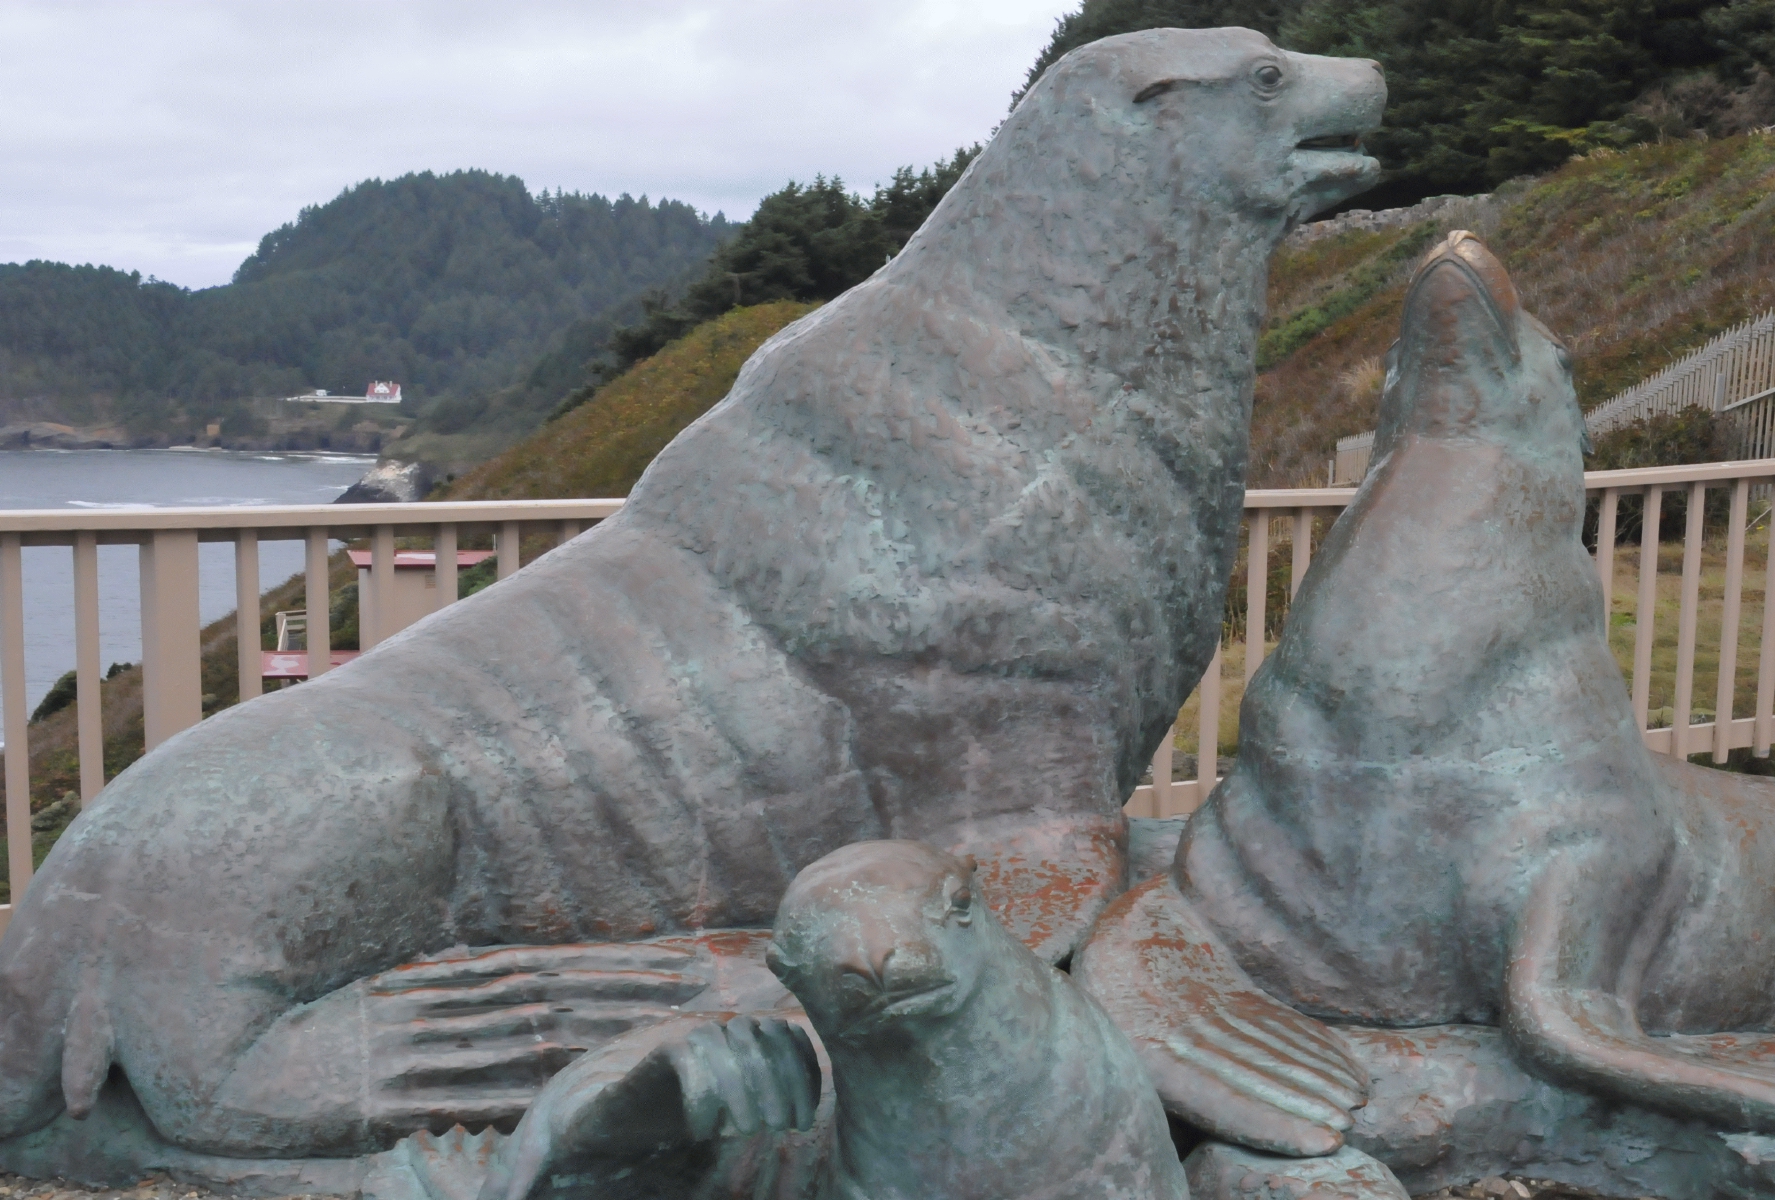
601 447
1634 258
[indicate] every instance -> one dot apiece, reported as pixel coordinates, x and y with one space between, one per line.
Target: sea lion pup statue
1443 814
942 565
963 1068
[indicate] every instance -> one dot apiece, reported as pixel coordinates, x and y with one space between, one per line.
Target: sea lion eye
961 905
1268 77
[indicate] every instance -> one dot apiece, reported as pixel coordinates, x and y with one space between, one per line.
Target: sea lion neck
1190 274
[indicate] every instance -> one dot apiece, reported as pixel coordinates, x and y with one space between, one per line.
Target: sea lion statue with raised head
943 565
962 1067
1444 815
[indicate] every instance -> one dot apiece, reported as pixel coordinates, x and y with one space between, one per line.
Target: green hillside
601 448
1633 257
454 285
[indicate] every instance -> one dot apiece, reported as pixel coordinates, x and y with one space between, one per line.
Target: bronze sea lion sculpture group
1443 815
943 566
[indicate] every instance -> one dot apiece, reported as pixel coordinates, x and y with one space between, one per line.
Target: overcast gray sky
167 136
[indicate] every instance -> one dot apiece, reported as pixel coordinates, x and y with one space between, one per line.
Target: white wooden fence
1278 522
1735 369
1351 463
1732 375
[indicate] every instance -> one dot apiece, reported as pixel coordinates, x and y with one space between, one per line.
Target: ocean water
97 479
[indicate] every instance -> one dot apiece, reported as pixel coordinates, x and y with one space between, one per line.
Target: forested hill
454 285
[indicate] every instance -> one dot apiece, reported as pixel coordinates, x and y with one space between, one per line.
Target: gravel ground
14 1187
1515 1188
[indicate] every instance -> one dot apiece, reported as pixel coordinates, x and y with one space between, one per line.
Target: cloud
168 137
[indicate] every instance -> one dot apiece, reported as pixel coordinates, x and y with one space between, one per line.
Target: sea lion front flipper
664 1109
1567 1020
1225 1056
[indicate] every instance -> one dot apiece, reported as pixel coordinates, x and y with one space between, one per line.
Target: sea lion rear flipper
1567 1016
1225 1056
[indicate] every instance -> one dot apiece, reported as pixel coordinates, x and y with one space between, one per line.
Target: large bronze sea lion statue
942 566
1443 815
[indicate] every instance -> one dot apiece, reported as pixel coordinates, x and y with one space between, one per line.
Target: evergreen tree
805 242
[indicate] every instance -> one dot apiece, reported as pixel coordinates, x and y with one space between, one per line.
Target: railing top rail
342 517
1299 497
288 516
1757 468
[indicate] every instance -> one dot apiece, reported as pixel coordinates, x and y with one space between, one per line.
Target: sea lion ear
969 865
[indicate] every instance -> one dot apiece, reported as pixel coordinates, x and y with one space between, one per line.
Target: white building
381 391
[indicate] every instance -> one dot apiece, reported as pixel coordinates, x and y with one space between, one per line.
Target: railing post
1729 616
1162 773
380 612
508 549
1303 548
1208 731
1765 714
1646 615
89 715
444 560
319 637
1605 552
569 531
1685 633
172 666
246 614
1257 587
12 697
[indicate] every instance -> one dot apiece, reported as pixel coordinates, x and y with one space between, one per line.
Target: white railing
1736 367
1289 516
1281 527
171 657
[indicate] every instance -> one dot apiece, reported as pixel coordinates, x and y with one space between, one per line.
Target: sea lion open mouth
1346 143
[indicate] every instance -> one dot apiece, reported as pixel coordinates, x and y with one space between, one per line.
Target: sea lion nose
868 963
